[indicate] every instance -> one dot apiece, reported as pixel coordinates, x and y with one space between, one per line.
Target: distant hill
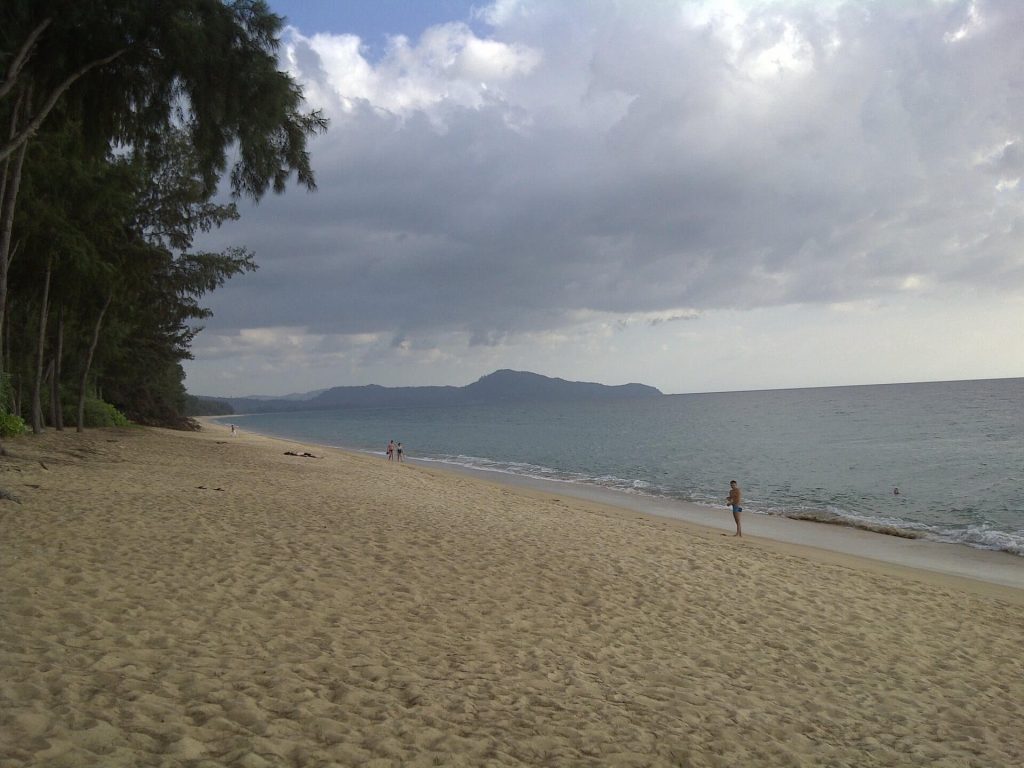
521 386
503 386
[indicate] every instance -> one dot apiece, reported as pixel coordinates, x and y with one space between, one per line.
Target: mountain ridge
501 386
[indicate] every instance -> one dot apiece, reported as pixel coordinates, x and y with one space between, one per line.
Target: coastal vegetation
119 119
206 406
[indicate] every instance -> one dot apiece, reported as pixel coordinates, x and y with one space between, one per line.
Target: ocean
954 450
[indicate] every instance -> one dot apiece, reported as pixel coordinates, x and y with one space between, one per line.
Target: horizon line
663 394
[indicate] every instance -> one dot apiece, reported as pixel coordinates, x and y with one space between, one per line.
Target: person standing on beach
398 451
391 450
734 500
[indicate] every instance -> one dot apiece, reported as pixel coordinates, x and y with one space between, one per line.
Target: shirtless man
734 500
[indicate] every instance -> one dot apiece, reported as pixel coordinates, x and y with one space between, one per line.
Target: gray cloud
651 160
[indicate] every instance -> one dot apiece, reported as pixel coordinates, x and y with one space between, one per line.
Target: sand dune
196 599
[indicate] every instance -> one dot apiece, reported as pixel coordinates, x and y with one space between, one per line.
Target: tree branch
19 61
33 125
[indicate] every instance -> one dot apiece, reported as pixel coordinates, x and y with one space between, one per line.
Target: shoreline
198 599
905 555
955 560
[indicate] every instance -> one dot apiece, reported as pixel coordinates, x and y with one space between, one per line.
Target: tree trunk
48 385
8 196
5 329
37 386
12 180
5 333
88 363
58 353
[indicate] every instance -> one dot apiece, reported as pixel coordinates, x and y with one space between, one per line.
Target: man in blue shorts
734 500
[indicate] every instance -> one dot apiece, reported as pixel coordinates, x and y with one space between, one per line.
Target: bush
12 425
97 414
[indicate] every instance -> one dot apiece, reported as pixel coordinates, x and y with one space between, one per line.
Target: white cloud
971 25
448 66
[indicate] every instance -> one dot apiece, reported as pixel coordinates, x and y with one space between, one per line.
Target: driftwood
304 454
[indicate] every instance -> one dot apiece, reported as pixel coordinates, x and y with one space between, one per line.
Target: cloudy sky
699 196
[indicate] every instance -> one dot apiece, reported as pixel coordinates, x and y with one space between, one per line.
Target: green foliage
97 414
5 393
12 425
120 178
208 65
205 406
147 388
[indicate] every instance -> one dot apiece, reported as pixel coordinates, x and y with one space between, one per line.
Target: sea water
954 450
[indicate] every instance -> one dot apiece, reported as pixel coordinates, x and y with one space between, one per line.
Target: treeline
117 122
206 406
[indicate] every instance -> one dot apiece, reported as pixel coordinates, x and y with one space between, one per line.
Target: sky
700 196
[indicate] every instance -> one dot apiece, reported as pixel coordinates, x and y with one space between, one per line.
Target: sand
175 599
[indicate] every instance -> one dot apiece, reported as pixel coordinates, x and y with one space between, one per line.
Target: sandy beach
198 599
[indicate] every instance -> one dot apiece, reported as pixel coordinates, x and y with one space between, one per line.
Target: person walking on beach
233 430
391 450
398 451
734 500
